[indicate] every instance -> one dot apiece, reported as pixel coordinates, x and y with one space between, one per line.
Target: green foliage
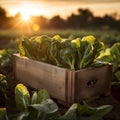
6 57
67 56
85 112
22 97
2 113
3 85
112 55
42 107
41 96
117 74
68 53
47 110
35 48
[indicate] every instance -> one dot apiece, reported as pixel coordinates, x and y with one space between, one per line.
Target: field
8 38
9 41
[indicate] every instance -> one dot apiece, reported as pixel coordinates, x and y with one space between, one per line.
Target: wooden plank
41 75
84 90
69 88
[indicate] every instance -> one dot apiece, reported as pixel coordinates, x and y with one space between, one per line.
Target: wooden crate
65 85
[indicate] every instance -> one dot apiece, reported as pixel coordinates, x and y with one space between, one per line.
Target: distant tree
85 17
81 20
41 21
73 21
111 21
57 22
3 18
2 12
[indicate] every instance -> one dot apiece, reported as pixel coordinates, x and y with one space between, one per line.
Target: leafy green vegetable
103 110
115 52
34 98
42 95
90 39
112 55
35 48
47 110
85 112
70 114
3 85
54 50
90 50
22 97
68 58
117 74
44 108
76 43
72 54
3 113
6 57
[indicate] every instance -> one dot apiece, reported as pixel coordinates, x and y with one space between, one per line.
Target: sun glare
25 14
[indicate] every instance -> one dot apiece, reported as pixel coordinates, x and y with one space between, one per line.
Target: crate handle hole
92 82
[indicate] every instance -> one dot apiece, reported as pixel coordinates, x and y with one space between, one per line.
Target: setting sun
25 13
25 16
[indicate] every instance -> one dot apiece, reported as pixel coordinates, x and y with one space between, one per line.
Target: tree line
83 20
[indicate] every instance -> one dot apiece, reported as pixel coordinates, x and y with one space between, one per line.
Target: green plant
40 106
3 114
68 53
112 55
6 57
85 112
3 85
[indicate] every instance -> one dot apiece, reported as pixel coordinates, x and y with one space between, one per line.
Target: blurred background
68 18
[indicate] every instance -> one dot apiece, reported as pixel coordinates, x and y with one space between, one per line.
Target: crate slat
41 75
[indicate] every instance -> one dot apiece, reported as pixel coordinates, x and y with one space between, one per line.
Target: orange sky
64 8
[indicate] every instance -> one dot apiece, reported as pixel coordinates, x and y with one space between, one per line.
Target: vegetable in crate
112 55
72 54
36 48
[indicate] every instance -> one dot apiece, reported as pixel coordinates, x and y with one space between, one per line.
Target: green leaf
117 74
57 38
22 97
34 98
90 39
47 110
3 113
54 52
2 77
67 56
21 50
87 58
3 86
71 113
3 82
85 110
42 96
103 110
76 42
115 49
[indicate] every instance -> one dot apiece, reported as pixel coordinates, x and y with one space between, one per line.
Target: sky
64 8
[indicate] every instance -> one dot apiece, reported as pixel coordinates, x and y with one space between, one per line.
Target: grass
107 36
